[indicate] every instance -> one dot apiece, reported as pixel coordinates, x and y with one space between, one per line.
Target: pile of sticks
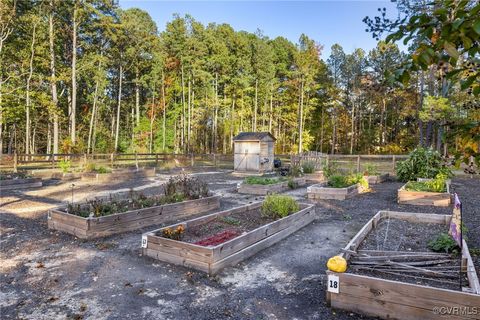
431 266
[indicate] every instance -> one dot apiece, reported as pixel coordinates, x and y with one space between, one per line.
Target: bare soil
400 235
237 222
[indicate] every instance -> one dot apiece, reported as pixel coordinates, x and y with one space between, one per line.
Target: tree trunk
270 116
164 112
300 125
352 132
137 97
183 110
74 76
53 81
92 118
189 97
117 128
334 132
254 126
231 121
28 101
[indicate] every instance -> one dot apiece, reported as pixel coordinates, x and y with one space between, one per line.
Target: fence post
358 164
156 159
111 160
15 162
393 164
53 160
85 159
192 158
214 160
136 160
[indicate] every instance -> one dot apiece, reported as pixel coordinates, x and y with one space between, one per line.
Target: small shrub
65 165
190 187
231 221
308 167
370 170
337 181
421 163
279 206
292 184
296 171
443 243
263 180
330 170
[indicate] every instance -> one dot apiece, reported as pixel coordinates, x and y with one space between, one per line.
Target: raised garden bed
213 242
265 189
413 292
322 191
374 179
93 227
19 183
315 177
424 198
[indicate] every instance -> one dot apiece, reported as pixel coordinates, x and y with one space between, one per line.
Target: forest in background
88 76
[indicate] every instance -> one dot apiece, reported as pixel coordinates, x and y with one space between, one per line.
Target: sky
327 22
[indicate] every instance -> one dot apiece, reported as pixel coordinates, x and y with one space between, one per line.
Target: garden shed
253 152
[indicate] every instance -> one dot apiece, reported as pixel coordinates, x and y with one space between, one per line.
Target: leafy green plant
341 181
279 206
330 169
296 171
421 163
231 221
443 243
65 165
92 167
292 184
434 185
370 170
308 167
263 180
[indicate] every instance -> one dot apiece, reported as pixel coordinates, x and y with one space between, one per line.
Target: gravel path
51 275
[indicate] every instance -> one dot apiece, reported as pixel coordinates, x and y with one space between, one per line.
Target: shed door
246 154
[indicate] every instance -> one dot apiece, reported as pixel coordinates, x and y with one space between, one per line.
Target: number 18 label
333 283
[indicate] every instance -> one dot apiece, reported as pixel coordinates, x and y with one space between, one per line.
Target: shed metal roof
254 136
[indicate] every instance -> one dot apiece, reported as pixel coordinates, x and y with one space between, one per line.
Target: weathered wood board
424 198
315 177
212 259
94 227
261 190
118 175
377 178
14 184
321 191
388 299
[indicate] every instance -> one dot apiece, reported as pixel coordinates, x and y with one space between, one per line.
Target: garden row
406 265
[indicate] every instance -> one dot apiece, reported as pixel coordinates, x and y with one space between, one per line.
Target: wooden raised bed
321 191
261 190
94 227
212 259
315 177
424 198
13 184
377 178
390 299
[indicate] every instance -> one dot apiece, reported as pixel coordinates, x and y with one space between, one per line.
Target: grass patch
263 180
279 206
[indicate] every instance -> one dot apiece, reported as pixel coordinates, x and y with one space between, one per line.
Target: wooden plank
417 217
471 272
258 246
188 253
439 199
67 218
170 258
59 226
360 236
395 293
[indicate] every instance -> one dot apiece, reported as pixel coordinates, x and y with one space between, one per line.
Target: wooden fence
24 162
